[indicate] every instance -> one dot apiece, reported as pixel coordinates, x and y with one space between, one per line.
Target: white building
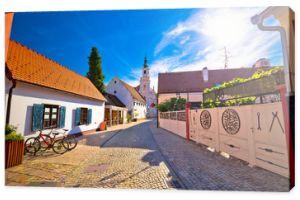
147 92
129 96
42 94
115 110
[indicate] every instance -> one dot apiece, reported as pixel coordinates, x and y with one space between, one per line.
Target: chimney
205 74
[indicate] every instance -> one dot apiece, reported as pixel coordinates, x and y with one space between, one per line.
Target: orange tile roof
29 66
135 94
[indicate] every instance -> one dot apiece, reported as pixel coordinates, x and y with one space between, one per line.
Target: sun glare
225 28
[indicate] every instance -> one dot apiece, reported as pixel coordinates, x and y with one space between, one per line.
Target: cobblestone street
143 157
117 159
200 169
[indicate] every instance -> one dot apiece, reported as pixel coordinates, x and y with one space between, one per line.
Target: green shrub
180 104
135 115
11 133
14 136
128 117
162 107
9 129
173 104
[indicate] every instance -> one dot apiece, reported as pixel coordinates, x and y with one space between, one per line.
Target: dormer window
145 71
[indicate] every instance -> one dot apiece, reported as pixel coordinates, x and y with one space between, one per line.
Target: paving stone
143 157
200 169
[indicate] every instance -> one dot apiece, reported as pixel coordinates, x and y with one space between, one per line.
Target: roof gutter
14 84
258 20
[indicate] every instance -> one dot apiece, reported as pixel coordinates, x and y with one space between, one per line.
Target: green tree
95 73
172 104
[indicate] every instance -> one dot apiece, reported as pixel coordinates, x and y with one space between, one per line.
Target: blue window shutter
89 117
62 115
37 117
77 117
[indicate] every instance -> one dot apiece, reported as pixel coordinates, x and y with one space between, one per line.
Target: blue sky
173 40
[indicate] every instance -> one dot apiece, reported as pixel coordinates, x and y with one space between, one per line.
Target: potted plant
102 126
14 147
128 117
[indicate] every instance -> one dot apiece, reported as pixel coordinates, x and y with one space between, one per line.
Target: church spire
145 62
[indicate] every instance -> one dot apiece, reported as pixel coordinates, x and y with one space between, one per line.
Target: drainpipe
258 20
284 90
14 83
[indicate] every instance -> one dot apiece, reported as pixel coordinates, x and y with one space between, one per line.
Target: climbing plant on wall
232 102
241 91
257 75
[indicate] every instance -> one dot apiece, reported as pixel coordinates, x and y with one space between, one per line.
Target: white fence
174 121
253 133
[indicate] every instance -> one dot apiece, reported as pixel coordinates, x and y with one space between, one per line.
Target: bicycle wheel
60 146
32 145
46 142
71 141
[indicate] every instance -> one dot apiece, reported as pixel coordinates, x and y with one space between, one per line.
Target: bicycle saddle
65 129
55 133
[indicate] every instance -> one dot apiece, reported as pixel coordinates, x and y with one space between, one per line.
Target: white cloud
184 39
213 29
200 42
180 28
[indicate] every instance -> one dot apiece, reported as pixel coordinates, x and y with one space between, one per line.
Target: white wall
173 125
124 95
141 109
25 95
8 85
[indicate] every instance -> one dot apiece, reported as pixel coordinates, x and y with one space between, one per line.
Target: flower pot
14 153
102 126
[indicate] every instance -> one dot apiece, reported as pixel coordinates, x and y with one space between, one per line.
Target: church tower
145 80
145 90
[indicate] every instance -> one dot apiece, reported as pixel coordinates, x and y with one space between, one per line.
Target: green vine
232 102
258 74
